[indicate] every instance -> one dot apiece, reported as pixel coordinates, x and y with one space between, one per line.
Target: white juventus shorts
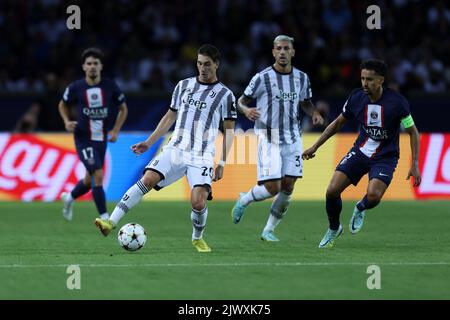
172 164
279 160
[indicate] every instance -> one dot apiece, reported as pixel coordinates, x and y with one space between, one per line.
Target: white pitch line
244 264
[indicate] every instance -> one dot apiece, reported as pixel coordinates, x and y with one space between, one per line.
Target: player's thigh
383 170
354 165
381 174
168 165
292 163
97 176
376 189
273 186
288 184
339 182
269 161
199 196
200 174
87 179
91 154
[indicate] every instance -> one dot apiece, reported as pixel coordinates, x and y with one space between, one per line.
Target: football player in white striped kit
279 90
198 106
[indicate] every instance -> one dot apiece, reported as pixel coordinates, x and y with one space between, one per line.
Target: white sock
104 216
198 222
279 208
257 193
69 197
129 200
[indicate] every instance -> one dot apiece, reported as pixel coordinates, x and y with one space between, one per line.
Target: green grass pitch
409 241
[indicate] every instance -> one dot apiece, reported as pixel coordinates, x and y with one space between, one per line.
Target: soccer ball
132 236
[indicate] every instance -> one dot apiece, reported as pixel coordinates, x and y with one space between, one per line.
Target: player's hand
317 118
113 136
414 172
309 153
251 114
218 174
71 125
139 148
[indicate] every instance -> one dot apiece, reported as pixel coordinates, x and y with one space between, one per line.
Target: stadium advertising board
39 167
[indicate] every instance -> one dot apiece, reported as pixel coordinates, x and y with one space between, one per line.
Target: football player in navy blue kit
101 112
379 111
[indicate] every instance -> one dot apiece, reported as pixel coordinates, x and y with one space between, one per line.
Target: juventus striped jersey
277 97
97 107
379 121
200 107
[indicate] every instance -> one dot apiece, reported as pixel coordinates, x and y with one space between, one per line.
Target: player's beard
93 75
283 64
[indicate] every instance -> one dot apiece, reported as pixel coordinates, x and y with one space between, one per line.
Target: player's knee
287 187
150 179
98 177
198 204
332 192
87 182
273 187
374 196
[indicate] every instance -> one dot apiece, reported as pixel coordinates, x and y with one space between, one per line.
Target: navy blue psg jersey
97 107
379 121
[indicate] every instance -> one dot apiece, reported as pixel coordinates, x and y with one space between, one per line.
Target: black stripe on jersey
215 104
281 110
175 97
291 108
308 90
178 92
182 123
257 84
173 109
302 79
197 116
231 108
269 107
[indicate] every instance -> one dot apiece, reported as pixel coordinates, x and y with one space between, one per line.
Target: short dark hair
210 51
92 52
379 66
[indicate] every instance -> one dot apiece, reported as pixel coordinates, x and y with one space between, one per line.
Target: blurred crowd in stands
150 45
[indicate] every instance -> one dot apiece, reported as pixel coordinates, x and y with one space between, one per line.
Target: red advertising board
434 164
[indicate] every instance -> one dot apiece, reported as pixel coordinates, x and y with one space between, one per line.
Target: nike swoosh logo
384 175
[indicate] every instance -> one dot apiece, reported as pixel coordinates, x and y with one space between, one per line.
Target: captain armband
407 122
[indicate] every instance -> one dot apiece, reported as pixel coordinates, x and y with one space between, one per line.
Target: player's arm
329 131
414 137
121 117
163 127
228 137
242 104
311 110
64 111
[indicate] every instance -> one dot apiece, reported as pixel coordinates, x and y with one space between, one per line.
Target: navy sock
366 204
80 189
99 198
334 208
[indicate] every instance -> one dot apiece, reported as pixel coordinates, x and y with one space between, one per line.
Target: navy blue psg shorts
91 153
356 164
